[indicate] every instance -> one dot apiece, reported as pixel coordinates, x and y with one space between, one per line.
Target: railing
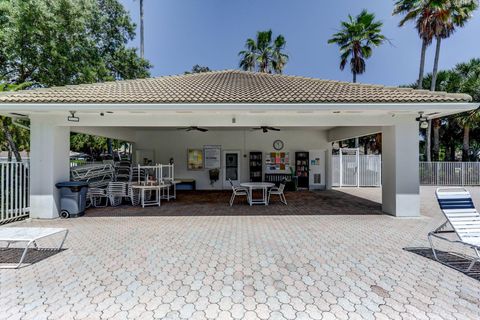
450 173
14 191
357 170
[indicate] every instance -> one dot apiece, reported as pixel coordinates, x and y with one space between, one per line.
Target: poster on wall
212 156
195 159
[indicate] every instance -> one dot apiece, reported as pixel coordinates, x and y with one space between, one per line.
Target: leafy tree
198 69
67 42
62 42
264 54
356 40
14 137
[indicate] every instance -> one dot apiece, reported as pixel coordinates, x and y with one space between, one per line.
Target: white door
317 169
231 168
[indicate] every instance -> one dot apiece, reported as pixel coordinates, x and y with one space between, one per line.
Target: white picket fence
14 191
450 173
357 170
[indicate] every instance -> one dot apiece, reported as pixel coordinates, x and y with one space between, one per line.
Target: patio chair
464 219
238 191
278 191
133 195
95 196
116 191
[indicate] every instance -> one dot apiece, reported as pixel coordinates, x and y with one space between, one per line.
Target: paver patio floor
257 266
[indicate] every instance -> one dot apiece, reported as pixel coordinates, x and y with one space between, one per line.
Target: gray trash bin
73 196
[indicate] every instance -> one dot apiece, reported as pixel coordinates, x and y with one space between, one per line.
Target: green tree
356 39
14 137
198 69
463 78
67 42
264 54
62 42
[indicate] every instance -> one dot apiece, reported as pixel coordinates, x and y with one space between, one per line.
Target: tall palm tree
447 16
356 40
264 54
420 13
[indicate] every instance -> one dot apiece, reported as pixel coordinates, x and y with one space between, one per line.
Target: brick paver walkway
199 266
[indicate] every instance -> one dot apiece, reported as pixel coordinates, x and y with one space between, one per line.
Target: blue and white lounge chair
464 219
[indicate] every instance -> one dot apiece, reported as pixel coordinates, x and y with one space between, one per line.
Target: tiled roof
229 86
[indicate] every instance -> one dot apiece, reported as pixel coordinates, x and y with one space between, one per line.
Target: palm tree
448 14
280 59
264 55
469 78
419 12
356 40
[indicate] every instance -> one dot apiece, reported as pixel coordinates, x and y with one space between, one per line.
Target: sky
182 33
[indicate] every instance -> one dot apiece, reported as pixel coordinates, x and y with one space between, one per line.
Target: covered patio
152 114
215 203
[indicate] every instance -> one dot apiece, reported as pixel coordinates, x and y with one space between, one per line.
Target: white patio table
257 186
150 187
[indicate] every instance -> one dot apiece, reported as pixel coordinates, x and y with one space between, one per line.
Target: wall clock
278 145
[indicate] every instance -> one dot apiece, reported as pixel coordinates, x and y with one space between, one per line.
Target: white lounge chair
278 191
30 236
464 219
237 191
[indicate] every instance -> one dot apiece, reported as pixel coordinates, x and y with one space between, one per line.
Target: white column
400 176
328 169
49 164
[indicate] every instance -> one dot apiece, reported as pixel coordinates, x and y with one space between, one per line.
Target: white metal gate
350 169
14 191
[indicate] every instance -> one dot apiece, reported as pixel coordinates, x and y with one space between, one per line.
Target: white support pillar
400 176
328 173
49 164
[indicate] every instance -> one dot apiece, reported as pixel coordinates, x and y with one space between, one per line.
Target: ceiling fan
265 129
193 128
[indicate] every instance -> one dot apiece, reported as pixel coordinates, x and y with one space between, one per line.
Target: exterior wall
174 143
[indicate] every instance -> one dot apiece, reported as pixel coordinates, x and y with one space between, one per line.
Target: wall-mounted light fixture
423 120
72 117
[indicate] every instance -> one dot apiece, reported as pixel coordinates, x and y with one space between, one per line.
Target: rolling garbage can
73 198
